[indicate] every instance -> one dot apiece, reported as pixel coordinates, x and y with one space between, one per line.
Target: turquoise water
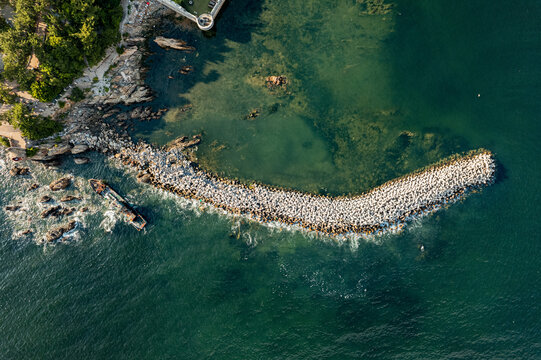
371 97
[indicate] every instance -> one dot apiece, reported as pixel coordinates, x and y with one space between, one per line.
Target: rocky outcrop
56 233
45 199
145 113
276 81
183 142
59 149
175 44
18 171
52 211
144 178
60 184
67 198
78 149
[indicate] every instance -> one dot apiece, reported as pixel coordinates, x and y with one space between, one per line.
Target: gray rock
45 199
52 211
67 198
59 150
81 160
16 171
56 233
78 149
176 44
60 184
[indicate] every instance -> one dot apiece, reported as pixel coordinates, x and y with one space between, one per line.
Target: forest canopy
64 35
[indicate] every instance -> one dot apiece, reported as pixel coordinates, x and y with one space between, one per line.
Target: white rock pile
383 208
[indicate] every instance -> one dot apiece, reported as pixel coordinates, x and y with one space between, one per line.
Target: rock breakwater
384 208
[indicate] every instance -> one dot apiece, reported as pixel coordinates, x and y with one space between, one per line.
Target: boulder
45 199
144 178
276 81
42 155
176 44
16 171
34 186
12 207
52 211
67 198
60 184
56 233
78 149
60 149
81 160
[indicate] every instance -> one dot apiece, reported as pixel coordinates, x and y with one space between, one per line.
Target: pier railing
204 21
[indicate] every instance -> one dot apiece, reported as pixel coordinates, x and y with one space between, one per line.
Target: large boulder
60 184
52 211
42 154
176 44
60 149
77 149
56 233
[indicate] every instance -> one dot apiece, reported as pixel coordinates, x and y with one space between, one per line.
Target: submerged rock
81 160
67 198
60 184
56 233
45 199
16 171
276 81
176 44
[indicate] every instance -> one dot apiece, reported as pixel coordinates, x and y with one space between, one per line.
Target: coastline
384 208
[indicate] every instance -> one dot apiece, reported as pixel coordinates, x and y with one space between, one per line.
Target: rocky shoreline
385 208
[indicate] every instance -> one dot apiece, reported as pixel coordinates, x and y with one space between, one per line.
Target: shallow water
372 97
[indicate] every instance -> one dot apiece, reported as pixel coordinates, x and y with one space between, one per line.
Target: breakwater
386 207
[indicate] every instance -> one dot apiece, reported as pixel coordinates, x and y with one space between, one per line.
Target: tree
32 126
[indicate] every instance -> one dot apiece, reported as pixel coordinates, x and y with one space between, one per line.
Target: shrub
61 104
31 151
4 141
77 94
33 127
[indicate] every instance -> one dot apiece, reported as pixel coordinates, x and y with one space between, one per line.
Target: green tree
32 126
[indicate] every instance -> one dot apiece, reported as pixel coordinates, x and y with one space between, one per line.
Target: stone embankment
387 207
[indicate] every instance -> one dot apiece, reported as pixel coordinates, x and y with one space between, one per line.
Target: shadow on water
233 24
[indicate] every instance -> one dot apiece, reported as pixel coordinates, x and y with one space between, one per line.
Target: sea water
370 97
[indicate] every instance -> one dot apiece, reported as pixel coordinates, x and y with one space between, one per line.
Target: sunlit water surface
370 97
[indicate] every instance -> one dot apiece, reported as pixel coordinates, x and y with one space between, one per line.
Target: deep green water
371 97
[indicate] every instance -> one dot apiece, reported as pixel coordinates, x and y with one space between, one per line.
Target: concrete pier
204 21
